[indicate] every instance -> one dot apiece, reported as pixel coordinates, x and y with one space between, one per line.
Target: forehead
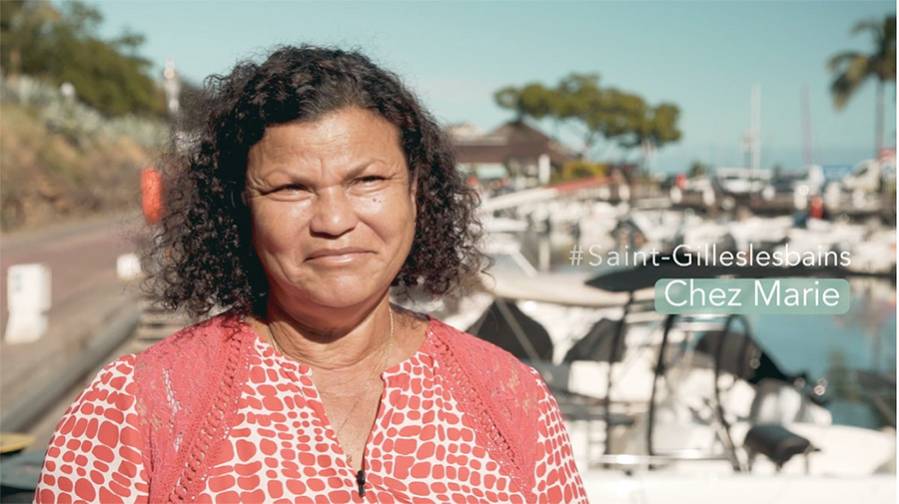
335 140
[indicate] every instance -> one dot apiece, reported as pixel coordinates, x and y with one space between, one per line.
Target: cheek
276 226
390 215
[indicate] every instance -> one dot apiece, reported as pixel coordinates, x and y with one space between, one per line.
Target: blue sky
703 56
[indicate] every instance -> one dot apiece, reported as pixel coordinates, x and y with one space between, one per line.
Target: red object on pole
151 194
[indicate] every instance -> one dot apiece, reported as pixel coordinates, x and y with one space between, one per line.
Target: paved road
85 292
81 256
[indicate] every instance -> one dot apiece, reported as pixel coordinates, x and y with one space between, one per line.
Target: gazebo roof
512 140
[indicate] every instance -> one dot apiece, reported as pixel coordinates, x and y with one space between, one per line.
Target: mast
755 127
806 127
752 138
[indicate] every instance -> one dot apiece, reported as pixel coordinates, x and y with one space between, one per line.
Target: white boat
741 181
699 419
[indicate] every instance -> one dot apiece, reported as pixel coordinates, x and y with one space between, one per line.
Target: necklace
381 368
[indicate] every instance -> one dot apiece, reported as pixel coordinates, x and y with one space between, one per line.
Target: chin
340 292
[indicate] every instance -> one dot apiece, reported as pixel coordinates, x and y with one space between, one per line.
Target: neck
341 343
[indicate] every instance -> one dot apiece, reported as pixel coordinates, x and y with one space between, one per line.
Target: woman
317 183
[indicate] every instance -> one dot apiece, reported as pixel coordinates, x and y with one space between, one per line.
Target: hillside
50 171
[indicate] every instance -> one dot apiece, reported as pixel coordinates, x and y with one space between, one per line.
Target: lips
346 252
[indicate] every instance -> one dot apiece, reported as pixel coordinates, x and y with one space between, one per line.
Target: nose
333 214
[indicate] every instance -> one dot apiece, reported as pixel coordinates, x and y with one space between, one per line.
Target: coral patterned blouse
421 448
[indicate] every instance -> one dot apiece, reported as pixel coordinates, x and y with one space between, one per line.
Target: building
515 150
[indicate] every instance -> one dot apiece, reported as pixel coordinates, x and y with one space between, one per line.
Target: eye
369 179
290 188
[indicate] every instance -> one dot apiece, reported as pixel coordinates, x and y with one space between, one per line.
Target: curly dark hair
201 256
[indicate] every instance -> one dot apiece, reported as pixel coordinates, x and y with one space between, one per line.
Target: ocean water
824 345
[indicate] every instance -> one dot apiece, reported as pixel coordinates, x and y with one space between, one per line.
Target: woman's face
332 211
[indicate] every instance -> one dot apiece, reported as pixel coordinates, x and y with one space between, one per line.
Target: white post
128 267
543 169
543 253
171 84
27 299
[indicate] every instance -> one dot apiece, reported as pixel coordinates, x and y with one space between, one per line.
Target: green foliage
63 46
851 69
698 169
659 125
579 169
597 113
532 100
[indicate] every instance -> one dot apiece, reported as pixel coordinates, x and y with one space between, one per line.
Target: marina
660 403
675 259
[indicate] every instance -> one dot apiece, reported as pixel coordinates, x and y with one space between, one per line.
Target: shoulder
112 382
487 361
195 343
189 362
470 345
503 394
102 429
108 401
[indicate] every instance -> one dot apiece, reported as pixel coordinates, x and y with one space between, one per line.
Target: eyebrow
353 172
359 168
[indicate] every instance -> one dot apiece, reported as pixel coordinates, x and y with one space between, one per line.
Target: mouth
337 256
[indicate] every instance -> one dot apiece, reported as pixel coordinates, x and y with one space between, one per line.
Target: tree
698 169
609 114
656 127
594 113
532 100
851 69
21 26
62 45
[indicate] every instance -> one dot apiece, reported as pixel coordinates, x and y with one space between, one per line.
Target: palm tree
851 69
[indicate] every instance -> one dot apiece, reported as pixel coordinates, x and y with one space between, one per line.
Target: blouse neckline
421 355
